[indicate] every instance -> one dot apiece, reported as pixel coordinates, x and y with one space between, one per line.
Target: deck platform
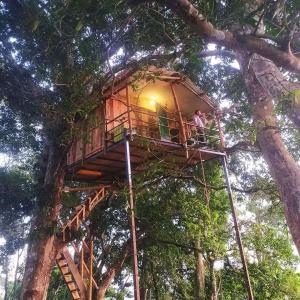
108 165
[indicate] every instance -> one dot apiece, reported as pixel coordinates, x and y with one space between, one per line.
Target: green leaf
35 25
79 26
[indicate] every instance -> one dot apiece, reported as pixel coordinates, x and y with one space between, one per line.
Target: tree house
145 115
155 107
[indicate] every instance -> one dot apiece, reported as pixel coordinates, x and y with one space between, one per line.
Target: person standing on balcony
199 121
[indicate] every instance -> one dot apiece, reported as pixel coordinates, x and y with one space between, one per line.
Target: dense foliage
55 57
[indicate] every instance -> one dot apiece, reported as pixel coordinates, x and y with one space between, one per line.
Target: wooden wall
112 116
89 136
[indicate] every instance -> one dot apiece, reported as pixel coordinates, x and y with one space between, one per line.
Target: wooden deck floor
108 166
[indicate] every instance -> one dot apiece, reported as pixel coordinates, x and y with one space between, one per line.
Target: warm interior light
149 101
89 172
153 100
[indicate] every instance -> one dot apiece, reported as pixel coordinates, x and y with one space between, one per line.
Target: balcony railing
144 123
150 125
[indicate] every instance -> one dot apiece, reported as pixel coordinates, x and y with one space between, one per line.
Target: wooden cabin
155 106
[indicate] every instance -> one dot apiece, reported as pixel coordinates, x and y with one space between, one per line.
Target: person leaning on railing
200 121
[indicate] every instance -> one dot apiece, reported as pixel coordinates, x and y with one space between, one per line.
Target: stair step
72 286
72 289
75 295
60 259
71 275
69 278
61 262
65 269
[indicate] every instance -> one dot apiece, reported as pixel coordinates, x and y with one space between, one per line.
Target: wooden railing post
77 222
82 261
183 138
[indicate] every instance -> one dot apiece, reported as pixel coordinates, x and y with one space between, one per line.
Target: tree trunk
282 165
272 80
144 278
19 253
200 273
42 246
214 290
155 286
112 272
6 271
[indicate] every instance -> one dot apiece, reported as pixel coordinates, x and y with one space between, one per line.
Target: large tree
62 55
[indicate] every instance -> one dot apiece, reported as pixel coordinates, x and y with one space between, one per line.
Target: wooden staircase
82 211
79 276
71 275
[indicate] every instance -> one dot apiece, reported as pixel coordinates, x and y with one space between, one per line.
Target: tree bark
42 246
282 165
278 87
214 290
200 272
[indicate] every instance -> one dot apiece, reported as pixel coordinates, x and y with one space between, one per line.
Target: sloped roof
129 76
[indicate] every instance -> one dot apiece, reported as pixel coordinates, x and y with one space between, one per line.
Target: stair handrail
83 209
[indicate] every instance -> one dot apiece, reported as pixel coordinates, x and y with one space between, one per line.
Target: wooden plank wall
90 137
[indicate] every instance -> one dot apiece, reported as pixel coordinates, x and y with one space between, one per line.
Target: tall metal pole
90 295
237 231
132 218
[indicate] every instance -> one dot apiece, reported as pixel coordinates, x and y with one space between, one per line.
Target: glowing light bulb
153 100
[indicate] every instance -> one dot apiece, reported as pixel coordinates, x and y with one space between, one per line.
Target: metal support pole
132 218
90 295
237 231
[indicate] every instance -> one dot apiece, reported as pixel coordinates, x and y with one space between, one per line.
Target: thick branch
201 26
182 176
216 53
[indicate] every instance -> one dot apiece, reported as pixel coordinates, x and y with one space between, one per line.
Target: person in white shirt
199 121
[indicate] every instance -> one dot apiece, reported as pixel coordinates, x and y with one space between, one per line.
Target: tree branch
203 28
216 53
242 146
103 88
